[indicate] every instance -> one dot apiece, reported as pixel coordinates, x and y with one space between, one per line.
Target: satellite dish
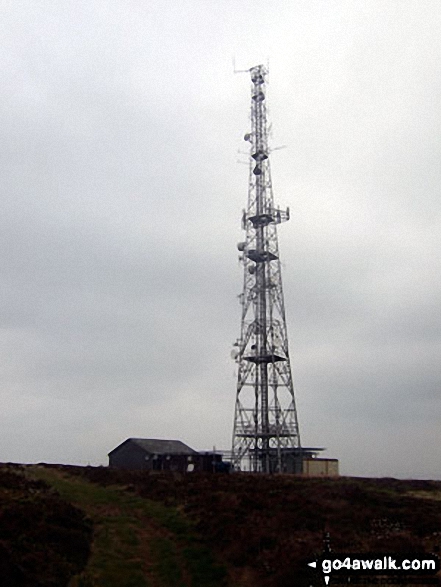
247 137
241 246
234 354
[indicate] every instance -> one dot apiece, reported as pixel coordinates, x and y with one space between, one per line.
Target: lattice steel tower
266 433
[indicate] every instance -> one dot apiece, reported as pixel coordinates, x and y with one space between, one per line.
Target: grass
166 556
148 527
116 560
137 541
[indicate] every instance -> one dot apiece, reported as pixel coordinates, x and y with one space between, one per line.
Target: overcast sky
121 196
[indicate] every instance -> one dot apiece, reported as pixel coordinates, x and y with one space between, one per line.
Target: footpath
136 542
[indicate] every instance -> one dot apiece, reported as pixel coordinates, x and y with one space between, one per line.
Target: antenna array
266 434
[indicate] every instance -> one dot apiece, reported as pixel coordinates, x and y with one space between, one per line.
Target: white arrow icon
314 566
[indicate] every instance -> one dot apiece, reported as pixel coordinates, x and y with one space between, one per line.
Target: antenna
238 70
266 434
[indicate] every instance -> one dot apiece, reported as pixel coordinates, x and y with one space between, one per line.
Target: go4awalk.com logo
398 565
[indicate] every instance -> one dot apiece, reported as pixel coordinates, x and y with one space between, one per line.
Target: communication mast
266 433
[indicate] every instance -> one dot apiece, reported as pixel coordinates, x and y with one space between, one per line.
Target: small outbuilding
320 467
148 454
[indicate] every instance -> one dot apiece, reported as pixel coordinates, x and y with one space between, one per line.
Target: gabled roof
159 447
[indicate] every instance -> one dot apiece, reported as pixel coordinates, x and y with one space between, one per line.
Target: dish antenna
234 354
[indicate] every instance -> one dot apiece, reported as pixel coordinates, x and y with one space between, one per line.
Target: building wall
291 464
187 463
128 456
320 467
131 456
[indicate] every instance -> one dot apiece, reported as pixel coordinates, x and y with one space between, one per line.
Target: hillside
172 530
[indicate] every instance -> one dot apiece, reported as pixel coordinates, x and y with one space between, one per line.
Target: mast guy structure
266 433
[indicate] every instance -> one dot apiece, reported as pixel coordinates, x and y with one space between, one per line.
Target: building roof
159 447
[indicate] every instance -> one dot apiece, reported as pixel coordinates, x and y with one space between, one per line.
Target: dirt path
137 542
